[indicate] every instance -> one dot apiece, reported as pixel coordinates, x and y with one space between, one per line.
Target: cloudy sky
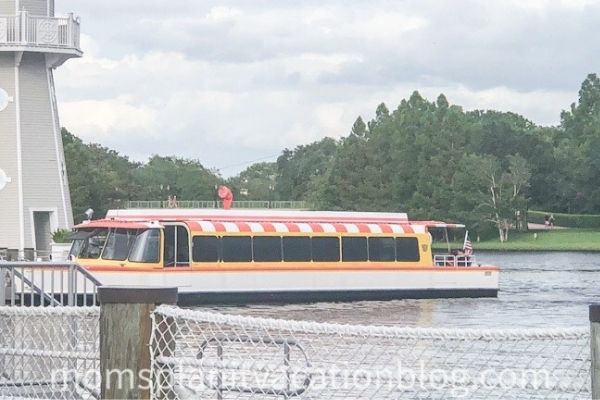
230 82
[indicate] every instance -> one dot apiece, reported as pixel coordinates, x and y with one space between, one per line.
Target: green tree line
431 159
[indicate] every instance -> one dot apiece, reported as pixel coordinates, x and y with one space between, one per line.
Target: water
536 290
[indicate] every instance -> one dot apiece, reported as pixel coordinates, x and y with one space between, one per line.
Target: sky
236 81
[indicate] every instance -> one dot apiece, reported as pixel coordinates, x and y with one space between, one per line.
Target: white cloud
97 120
219 14
228 81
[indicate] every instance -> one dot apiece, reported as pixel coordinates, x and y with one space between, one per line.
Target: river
536 290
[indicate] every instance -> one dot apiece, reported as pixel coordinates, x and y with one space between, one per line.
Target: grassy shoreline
583 240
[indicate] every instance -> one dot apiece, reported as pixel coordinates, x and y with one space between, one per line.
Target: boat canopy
268 221
302 227
117 223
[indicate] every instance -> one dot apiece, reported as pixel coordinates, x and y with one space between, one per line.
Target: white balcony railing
24 29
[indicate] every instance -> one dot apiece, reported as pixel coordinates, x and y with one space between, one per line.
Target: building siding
61 156
42 171
40 164
7 7
35 7
9 210
42 168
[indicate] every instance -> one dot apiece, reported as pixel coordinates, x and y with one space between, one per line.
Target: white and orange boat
243 256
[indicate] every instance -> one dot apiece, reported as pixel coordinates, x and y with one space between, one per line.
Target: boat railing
257 204
46 284
451 260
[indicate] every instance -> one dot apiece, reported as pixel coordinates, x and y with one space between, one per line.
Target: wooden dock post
125 331
595 349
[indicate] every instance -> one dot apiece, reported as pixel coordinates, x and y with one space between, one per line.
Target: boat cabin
225 239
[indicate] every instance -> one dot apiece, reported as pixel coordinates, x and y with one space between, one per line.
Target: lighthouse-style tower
34 191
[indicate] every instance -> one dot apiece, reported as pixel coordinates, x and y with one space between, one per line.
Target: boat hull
212 298
242 287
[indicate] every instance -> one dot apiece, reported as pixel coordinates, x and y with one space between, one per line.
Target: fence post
125 331
595 349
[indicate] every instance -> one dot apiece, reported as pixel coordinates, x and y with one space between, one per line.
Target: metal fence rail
46 284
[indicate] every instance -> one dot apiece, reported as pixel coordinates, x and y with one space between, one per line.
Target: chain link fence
49 353
53 353
214 356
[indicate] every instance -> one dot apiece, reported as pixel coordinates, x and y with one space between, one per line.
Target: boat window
146 248
177 246
296 249
354 249
118 244
183 246
326 249
77 247
91 247
407 249
80 239
237 249
206 249
382 249
267 248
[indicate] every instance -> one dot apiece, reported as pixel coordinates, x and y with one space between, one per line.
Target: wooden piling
125 331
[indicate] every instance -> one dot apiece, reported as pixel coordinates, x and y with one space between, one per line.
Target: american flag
468 246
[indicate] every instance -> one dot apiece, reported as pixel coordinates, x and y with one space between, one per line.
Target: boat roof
240 215
267 221
116 223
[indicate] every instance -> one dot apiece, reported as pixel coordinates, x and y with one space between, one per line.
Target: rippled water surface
536 290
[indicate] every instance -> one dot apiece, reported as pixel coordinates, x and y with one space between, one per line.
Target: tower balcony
31 33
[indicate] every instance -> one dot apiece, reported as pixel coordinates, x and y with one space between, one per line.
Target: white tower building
34 191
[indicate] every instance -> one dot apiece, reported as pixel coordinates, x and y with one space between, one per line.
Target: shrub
61 236
588 221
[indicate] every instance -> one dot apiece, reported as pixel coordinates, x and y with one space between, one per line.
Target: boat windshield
88 244
146 247
119 243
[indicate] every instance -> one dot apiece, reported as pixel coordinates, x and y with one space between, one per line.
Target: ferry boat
244 256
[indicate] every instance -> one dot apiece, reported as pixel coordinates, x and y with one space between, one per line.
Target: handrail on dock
46 284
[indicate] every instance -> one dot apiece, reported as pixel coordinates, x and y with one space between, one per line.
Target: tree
359 128
102 179
257 182
580 147
381 112
301 172
496 194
